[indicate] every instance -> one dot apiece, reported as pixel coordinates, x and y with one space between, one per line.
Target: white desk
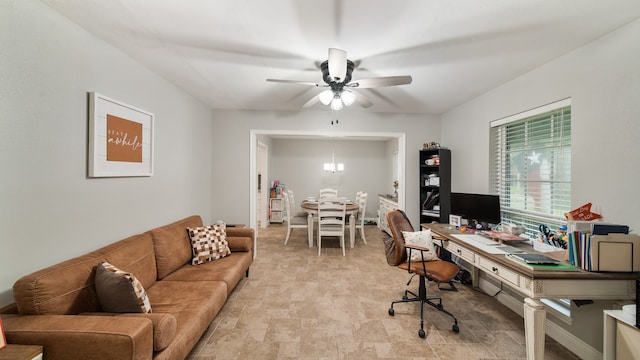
537 283
312 209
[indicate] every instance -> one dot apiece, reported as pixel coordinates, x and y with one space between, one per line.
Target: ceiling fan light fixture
325 97
348 97
336 103
336 74
337 64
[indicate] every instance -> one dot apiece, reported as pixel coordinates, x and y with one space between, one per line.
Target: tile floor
298 305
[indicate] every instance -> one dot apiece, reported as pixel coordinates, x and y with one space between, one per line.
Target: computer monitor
479 208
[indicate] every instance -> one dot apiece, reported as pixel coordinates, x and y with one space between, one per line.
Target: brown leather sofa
58 308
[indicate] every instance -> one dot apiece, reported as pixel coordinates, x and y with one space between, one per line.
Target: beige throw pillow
420 238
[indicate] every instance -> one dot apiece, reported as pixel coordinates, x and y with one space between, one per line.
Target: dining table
310 205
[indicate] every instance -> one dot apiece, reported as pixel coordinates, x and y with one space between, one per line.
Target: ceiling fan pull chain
334 112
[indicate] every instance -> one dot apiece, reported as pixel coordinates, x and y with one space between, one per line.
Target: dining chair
402 254
331 219
293 221
327 193
294 205
361 200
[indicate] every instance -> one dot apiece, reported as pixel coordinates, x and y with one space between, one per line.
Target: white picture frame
120 139
455 220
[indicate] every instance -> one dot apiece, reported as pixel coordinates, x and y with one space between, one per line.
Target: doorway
253 161
262 213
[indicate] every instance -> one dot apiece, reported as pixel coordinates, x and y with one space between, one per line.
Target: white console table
387 204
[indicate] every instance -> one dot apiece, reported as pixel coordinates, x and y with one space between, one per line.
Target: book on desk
603 247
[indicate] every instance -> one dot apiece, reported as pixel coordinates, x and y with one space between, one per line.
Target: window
532 160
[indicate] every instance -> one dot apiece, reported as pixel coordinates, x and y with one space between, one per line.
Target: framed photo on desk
455 220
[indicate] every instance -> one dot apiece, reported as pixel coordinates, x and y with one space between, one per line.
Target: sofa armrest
83 337
241 232
240 239
164 326
240 244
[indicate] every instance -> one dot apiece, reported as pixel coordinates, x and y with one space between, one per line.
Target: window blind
532 166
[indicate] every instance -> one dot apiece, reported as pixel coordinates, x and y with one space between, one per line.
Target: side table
621 337
21 352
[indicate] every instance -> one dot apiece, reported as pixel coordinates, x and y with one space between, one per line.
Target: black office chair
440 271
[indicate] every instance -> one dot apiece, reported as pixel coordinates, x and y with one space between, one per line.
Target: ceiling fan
336 73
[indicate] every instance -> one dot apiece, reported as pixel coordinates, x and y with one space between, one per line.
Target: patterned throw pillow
420 238
208 243
119 291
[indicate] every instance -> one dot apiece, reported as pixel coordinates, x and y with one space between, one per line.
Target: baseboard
555 331
577 346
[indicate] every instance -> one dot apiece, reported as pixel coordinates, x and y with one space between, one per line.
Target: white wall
603 81
231 136
49 209
298 164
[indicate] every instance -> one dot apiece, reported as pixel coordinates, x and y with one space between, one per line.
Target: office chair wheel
391 312
422 334
455 328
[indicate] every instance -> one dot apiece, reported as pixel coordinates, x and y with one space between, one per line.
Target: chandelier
333 167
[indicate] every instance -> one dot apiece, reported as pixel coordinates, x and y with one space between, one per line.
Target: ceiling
221 51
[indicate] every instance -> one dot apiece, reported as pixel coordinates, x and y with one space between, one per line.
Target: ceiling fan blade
337 64
362 100
314 100
381 81
297 82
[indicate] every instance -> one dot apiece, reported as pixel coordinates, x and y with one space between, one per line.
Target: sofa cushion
119 291
230 269
68 287
194 304
423 239
173 245
208 243
164 328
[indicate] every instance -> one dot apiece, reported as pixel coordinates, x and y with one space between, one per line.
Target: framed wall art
120 139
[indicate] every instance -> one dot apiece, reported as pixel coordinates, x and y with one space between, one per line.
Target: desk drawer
498 270
457 250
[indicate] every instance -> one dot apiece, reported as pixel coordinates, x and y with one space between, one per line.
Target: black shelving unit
435 185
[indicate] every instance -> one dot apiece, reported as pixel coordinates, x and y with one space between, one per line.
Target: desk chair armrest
417 247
